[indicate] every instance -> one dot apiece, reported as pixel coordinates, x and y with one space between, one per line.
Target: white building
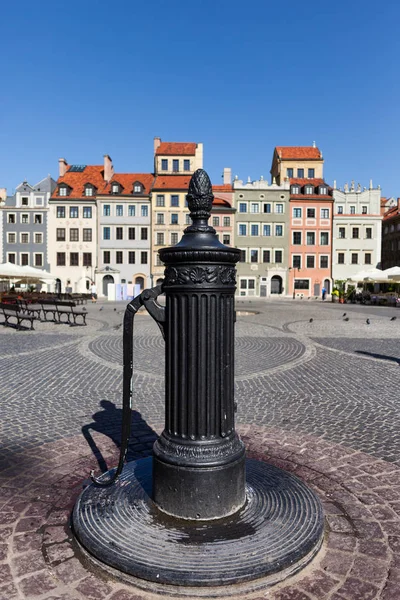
357 227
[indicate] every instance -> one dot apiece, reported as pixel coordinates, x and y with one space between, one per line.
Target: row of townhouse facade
297 234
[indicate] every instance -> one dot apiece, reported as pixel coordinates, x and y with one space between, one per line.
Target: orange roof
298 152
172 182
221 202
128 179
177 148
76 180
392 212
314 182
226 187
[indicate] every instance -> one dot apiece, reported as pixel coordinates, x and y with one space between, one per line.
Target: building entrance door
276 285
317 289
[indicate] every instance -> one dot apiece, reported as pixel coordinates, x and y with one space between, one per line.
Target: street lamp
294 277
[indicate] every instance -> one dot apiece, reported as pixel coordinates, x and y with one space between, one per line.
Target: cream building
299 162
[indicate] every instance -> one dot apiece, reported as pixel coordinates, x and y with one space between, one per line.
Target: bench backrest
70 304
10 307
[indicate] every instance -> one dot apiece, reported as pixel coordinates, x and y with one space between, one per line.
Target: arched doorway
327 285
140 282
58 286
106 280
276 284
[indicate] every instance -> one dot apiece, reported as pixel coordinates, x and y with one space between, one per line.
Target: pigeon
344 314
116 327
347 319
101 308
115 309
368 321
311 320
393 318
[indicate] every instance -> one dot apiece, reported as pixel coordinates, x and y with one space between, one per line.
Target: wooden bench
50 311
13 311
33 309
69 310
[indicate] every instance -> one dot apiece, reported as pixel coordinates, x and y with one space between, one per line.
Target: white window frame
20 258
62 191
238 229
242 212
34 259
16 257
315 237
254 208
270 229
37 215
258 255
274 250
15 218
279 212
302 238
35 233
28 220
323 256
283 229
89 191
156 234
320 235
314 256
24 233
301 212
322 209
250 229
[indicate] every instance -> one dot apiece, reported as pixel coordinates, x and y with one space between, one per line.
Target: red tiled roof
76 181
392 212
172 182
309 181
128 179
221 202
315 183
298 152
226 187
177 148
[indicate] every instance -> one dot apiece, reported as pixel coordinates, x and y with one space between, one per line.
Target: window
115 188
60 235
106 257
310 238
242 256
310 262
368 233
160 219
164 164
106 233
296 261
296 238
278 256
87 235
38 238
38 260
174 219
289 172
188 219
24 218
301 284
87 259
279 208
309 190
39 201
174 238
352 210
131 233
174 200
87 212
324 238
60 259
11 258
226 239
341 258
279 230
144 210
300 173
267 230
324 213
89 191
242 207
24 259
323 262
342 233
160 239
266 256
60 212
160 200
73 212
227 221
297 213
119 233
38 219
215 221
12 238
364 210
74 259
158 261
340 210
175 165
74 235
131 210
186 164
254 207
143 233
267 207
11 219
311 173
62 191
119 257
137 188
323 190
24 238
295 189
131 257
355 233
310 213
253 256
143 258
119 210
354 258
25 201
254 229
367 259
106 210
243 229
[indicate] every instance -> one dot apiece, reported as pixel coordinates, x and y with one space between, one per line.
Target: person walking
93 290
323 293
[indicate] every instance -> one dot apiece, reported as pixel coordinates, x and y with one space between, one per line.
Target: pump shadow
109 422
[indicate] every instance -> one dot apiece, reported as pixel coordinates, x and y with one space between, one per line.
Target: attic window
115 188
137 188
89 191
62 190
309 189
295 189
322 189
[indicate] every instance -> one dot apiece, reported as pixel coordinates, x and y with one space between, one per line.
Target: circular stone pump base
276 533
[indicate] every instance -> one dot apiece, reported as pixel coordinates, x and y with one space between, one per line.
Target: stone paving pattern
309 400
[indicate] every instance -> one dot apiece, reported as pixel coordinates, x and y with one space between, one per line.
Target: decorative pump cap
200 199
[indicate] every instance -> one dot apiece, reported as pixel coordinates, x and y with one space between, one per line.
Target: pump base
276 533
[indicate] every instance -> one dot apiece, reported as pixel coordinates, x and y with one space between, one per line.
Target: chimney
227 176
62 167
108 168
3 194
157 142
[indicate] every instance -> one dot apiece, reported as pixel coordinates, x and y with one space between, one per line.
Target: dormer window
115 188
164 164
309 189
323 190
89 191
137 187
63 190
295 189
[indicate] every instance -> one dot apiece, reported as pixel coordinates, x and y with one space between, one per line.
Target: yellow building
174 164
296 162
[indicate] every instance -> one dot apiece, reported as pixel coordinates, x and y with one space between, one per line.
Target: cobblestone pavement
305 378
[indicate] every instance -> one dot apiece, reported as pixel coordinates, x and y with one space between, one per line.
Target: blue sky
81 79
